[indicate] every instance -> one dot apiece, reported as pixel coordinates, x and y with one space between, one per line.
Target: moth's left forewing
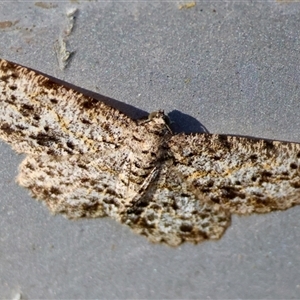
38 115
242 175
66 135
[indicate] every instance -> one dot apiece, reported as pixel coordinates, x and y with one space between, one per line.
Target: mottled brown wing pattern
205 178
74 144
171 212
38 115
242 175
86 159
79 185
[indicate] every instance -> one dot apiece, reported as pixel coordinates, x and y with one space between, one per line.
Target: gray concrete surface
232 67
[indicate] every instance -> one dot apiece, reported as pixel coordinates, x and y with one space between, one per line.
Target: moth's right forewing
242 175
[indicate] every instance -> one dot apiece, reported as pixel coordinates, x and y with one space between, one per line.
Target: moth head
158 119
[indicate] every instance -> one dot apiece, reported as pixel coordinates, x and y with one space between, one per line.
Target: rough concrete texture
230 67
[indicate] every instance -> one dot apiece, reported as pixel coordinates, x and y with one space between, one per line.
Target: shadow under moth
86 159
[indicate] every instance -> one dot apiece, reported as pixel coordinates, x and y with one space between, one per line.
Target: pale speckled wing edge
242 175
37 114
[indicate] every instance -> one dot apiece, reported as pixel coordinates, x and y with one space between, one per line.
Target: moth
86 159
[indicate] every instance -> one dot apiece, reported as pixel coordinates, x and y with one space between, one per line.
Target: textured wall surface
228 67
